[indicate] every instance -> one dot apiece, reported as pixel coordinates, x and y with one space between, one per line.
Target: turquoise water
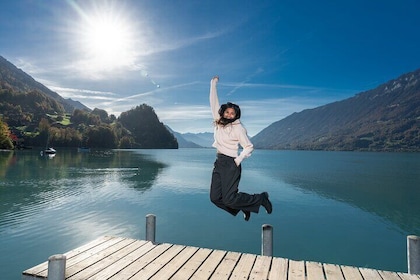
336 207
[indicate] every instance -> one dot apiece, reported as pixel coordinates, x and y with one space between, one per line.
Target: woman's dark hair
224 121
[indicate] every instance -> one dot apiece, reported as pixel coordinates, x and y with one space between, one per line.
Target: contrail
244 82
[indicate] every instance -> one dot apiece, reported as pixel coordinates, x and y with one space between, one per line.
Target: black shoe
247 215
266 203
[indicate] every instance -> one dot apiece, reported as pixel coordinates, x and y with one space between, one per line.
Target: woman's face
229 113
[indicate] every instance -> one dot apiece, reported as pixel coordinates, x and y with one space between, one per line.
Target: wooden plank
150 269
141 262
279 267
86 268
333 271
406 276
261 268
296 270
351 273
388 275
175 264
32 277
95 243
370 274
188 269
85 255
243 267
44 266
314 270
121 258
209 265
226 266
123 261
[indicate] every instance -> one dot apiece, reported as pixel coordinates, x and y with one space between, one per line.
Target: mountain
182 142
16 80
386 118
146 129
204 139
193 140
77 105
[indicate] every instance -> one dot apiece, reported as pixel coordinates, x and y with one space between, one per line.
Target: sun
106 40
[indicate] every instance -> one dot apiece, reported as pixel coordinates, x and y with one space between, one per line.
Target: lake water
336 207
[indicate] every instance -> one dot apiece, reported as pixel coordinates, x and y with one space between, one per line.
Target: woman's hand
215 79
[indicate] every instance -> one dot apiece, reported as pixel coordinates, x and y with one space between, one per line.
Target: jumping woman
228 135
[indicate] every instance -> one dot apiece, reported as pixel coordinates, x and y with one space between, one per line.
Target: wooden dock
111 257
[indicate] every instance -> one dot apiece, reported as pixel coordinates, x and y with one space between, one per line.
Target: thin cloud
155 91
186 42
243 83
80 91
184 112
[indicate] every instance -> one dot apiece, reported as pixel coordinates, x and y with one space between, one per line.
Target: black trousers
224 188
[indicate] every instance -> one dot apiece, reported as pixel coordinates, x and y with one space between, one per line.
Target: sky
273 57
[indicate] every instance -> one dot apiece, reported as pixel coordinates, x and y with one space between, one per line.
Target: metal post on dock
413 254
267 240
150 227
57 267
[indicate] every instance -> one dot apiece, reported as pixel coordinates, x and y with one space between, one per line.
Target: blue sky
273 57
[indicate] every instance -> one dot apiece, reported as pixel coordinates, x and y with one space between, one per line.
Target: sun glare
106 40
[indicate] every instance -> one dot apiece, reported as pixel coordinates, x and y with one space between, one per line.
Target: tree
5 140
80 117
126 142
44 125
102 137
103 115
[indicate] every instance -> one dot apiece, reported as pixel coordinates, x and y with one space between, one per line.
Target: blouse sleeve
214 100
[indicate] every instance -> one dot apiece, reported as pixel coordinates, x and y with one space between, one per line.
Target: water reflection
385 184
29 181
7 158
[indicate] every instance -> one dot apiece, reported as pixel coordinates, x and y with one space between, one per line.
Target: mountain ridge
19 80
382 119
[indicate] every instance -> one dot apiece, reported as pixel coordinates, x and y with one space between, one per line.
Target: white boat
50 151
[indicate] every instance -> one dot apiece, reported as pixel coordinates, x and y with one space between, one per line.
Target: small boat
50 151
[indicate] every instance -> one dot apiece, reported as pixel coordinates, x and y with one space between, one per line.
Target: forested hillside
31 114
19 82
147 131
